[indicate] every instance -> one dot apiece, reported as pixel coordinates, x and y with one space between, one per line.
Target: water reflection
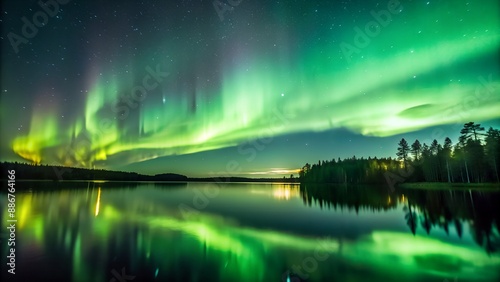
86 233
371 198
452 209
426 209
286 191
98 202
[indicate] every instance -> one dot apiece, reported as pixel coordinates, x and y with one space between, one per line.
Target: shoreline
448 186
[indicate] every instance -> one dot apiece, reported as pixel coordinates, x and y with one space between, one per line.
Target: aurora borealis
157 86
96 228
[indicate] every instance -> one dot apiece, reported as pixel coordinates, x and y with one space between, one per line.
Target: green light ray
309 93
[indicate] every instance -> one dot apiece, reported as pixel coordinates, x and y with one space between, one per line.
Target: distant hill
169 177
48 172
26 171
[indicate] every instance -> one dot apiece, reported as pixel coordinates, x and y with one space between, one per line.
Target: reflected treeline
451 209
88 234
373 198
423 209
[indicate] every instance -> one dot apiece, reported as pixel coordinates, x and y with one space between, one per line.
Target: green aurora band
381 95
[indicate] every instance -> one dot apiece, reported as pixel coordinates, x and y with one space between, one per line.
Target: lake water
95 231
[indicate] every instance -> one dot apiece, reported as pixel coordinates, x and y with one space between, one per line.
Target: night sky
252 88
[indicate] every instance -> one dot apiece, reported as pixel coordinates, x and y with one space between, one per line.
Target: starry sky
239 87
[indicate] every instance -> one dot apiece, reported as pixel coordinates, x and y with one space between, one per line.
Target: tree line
49 172
424 209
473 159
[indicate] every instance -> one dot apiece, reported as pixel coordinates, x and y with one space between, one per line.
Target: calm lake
104 231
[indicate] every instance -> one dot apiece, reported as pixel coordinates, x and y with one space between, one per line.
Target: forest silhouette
473 159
